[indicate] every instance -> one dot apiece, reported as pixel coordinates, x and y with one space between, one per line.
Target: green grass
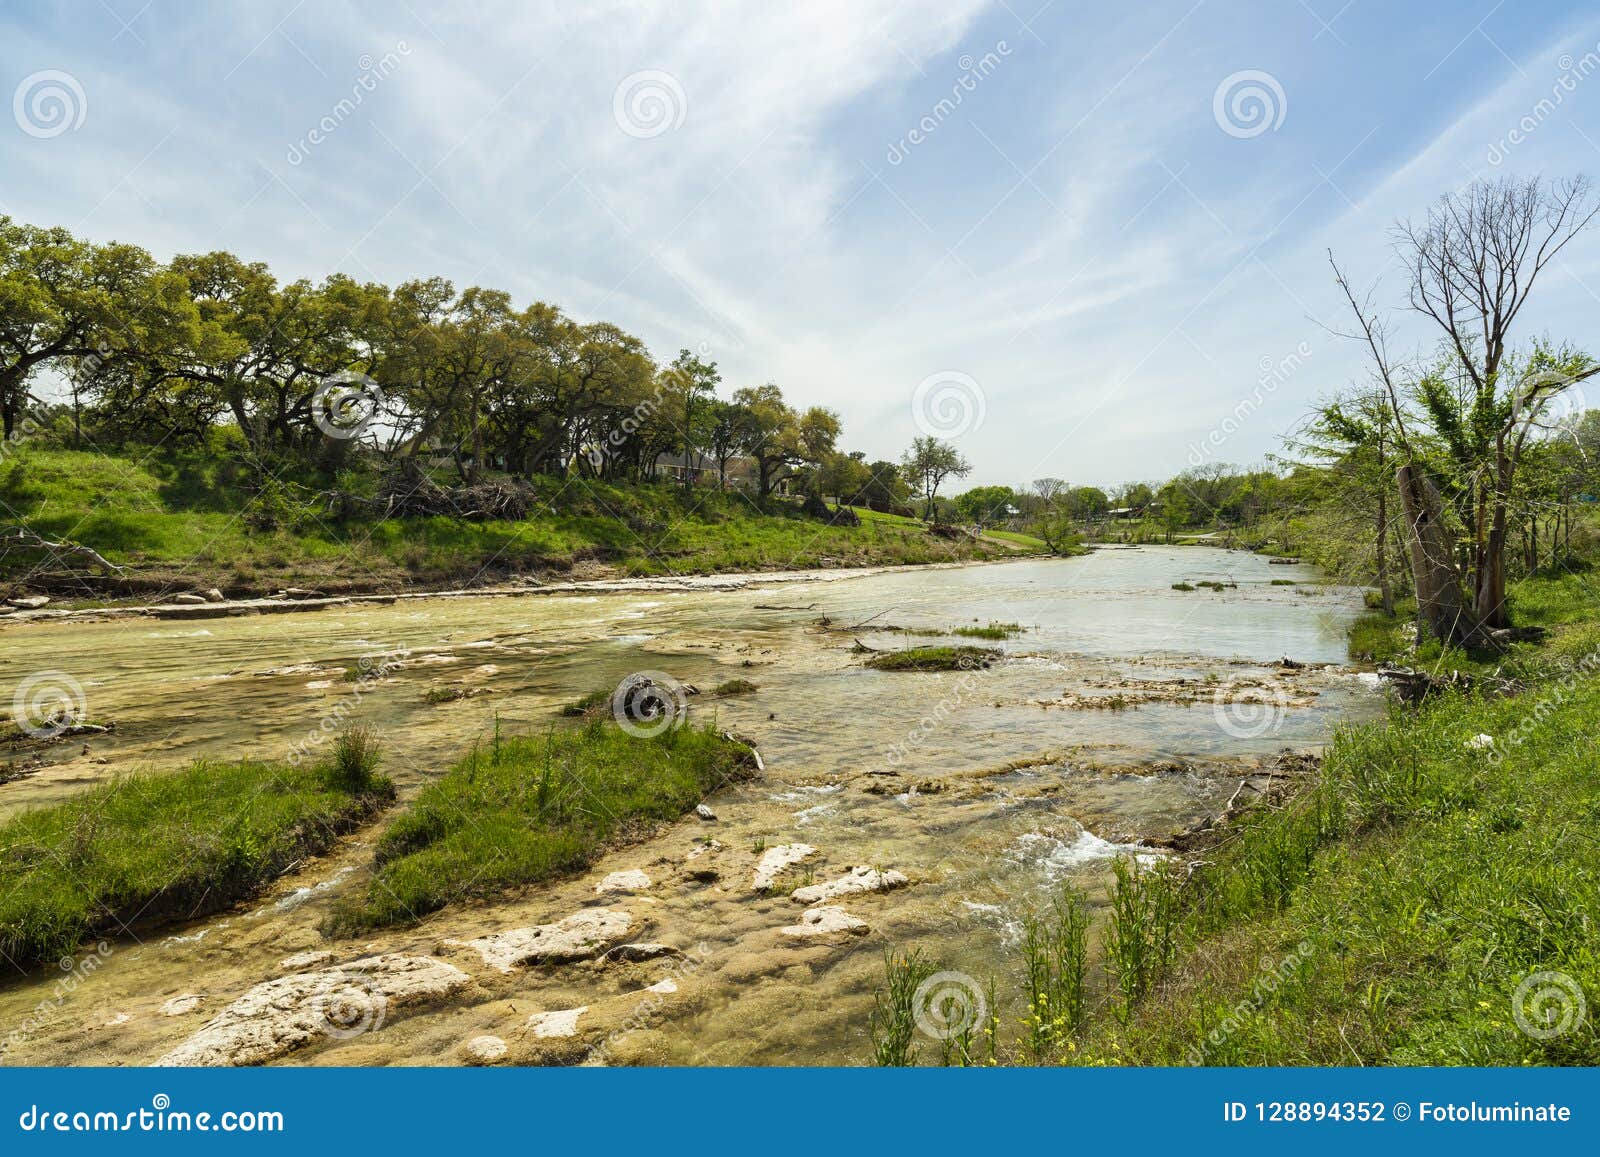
529 808
594 703
934 659
172 517
1390 912
145 849
992 630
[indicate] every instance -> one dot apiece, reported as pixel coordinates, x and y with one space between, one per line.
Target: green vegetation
147 849
528 808
176 518
1183 586
992 630
1390 912
934 659
733 687
594 703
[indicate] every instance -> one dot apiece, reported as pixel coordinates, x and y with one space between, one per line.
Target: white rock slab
825 921
862 879
484 1049
775 860
289 1012
556 1024
580 936
633 880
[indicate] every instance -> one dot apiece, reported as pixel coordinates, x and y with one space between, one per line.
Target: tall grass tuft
353 764
894 1009
1055 957
1141 938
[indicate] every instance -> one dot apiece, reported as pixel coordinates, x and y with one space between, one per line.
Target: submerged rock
484 1050
775 860
181 1005
289 1012
301 961
633 880
633 953
862 879
556 1024
825 921
579 937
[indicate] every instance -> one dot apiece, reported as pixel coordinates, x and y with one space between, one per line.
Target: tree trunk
1439 599
1489 605
1385 588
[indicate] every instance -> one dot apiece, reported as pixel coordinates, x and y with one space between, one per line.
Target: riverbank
1428 898
183 529
301 601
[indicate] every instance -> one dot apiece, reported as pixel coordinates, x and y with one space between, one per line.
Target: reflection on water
867 766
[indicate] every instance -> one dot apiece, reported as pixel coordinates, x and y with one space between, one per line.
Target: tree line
163 353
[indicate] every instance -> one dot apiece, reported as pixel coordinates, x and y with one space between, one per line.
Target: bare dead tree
1473 261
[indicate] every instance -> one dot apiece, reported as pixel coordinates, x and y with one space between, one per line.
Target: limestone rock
29 602
188 600
704 812
633 880
633 953
825 921
288 1012
484 1050
181 1005
553 1024
775 860
301 961
213 595
580 936
862 879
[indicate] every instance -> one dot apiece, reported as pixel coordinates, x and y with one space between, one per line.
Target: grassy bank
147 849
520 810
1433 899
191 522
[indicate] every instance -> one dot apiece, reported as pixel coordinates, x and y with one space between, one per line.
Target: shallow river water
985 788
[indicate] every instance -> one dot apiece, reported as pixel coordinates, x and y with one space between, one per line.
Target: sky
1080 241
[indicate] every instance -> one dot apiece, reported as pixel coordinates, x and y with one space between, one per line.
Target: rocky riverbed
897 809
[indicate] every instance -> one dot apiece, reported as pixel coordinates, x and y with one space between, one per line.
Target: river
986 789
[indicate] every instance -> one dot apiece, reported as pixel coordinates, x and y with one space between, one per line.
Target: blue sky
1093 244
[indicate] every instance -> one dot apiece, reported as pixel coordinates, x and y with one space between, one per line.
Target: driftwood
407 492
1413 685
21 538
